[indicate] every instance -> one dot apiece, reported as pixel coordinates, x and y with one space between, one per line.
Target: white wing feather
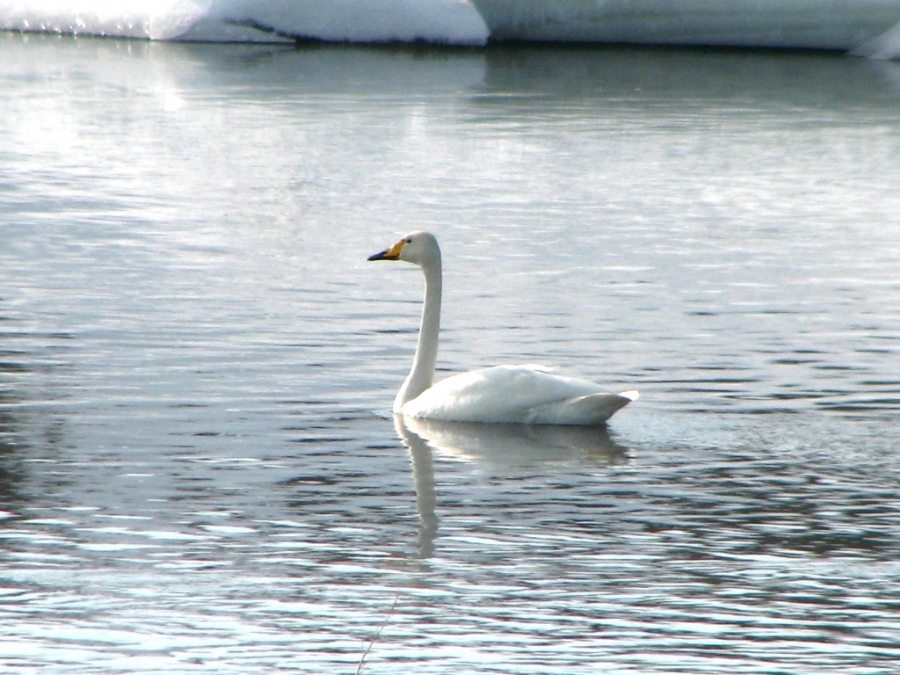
516 394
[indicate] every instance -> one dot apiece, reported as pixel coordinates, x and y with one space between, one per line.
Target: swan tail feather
591 409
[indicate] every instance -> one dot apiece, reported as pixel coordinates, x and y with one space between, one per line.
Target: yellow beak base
392 253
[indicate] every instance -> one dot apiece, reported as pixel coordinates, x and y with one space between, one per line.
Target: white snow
439 21
865 27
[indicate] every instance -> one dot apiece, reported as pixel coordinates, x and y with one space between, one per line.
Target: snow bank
865 27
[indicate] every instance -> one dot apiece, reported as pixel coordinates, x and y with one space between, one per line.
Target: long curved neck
421 375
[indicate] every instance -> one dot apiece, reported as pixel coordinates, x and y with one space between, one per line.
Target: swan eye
408 240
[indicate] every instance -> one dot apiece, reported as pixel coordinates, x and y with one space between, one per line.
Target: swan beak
392 253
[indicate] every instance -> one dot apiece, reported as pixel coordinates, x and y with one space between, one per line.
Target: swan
520 394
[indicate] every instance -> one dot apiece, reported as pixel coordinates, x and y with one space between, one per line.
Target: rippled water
198 468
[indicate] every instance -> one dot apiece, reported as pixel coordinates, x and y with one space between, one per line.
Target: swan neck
421 375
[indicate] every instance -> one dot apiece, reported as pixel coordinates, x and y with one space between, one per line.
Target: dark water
198 468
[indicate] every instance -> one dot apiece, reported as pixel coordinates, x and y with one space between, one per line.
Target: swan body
515 394
522 394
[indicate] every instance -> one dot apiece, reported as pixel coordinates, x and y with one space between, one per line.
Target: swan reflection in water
498 448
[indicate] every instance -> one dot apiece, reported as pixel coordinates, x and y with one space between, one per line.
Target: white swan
502 394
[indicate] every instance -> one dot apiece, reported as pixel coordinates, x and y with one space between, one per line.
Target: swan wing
516 394
590 409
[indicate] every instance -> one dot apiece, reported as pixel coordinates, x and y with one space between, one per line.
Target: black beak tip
384 255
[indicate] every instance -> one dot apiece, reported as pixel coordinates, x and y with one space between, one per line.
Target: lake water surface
199 472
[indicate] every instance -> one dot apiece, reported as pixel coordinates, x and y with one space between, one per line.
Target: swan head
419 248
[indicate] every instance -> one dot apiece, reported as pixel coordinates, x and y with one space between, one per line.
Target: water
198 467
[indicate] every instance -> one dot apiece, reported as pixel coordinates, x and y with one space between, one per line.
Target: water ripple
199 471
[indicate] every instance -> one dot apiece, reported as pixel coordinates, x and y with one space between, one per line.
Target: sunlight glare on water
198 467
